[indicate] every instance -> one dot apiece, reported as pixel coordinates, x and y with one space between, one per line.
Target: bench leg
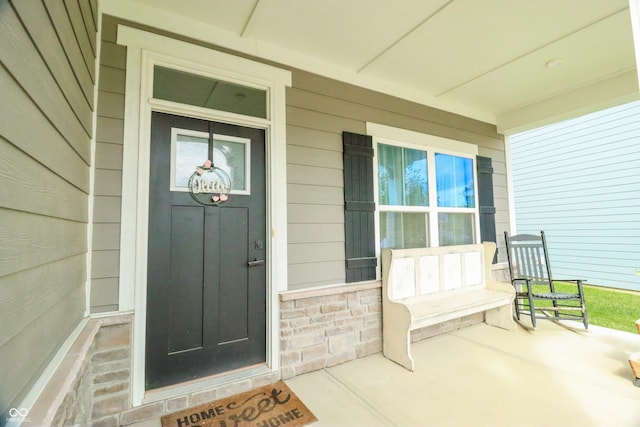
501 317
634 361
396 346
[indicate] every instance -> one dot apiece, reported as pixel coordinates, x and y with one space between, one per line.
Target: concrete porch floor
484 376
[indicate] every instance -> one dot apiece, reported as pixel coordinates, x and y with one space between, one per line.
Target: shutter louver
485 201
359 207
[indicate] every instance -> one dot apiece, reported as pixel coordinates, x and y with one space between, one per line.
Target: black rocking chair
530 272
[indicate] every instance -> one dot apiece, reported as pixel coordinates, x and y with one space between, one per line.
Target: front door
206 276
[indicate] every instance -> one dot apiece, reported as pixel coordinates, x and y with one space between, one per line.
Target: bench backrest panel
422 271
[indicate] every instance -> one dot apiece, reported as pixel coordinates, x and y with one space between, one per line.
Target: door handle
256 262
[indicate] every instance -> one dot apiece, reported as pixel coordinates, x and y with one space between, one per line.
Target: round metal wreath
209 185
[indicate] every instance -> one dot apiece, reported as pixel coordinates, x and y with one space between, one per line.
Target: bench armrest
500 286
490 283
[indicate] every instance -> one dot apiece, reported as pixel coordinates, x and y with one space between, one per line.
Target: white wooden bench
427 286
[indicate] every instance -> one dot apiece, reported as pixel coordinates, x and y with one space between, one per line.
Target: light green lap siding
105 265
46 107
318 111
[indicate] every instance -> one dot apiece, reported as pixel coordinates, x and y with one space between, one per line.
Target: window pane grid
388 208
404 187
190 149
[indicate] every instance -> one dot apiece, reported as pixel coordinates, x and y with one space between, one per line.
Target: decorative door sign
209 185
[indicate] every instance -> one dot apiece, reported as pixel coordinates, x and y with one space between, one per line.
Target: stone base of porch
92 385
318 329
324 327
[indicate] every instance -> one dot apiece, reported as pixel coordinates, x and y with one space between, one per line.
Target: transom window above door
425 197
200 91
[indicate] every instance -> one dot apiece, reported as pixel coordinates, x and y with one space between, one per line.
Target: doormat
273 405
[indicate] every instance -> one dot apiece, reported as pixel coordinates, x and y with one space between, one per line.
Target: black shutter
485 200
359 208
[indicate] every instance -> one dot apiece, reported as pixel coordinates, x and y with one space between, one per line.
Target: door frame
144 50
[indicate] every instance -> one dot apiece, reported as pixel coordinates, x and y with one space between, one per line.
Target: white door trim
144 50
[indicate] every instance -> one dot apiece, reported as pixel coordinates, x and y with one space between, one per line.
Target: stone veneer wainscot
319 328
326 326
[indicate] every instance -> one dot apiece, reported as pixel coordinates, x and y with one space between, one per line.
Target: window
425 197
189 149
456 190
402 176
192 89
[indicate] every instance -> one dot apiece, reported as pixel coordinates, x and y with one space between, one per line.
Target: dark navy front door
206 276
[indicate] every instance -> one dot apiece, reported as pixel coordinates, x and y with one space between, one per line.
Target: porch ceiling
482 58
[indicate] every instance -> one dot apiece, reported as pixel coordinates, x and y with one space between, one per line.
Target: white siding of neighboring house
579 180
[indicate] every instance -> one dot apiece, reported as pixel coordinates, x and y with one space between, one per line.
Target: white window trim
420 140
144 50
383 134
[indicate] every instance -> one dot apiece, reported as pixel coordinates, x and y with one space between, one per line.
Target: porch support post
634 10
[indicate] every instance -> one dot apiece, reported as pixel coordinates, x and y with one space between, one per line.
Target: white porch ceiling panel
481 58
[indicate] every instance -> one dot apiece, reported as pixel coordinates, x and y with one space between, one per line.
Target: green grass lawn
610 308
